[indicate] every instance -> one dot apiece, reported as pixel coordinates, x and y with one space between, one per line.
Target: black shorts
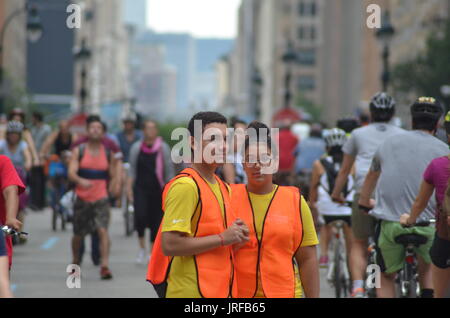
3 251
333 218
440 253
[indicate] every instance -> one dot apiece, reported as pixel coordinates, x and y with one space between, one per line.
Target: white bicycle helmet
335 137
14 127
382 101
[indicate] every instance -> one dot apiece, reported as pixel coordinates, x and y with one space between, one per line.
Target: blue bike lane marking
49 243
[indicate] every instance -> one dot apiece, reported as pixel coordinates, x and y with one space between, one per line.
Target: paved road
39 268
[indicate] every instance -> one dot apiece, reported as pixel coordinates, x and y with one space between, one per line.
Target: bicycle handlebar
422 224
11 232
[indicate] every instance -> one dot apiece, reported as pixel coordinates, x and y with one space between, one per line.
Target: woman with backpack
323 178
436 179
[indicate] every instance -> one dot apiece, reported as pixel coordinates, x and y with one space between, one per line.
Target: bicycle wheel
129 220
54 219
337 279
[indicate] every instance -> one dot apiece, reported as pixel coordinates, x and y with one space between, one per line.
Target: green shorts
363 225
391 256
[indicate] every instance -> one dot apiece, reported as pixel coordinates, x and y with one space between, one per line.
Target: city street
39 268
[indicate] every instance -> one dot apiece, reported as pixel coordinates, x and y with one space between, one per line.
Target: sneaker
323 262
140 259
105 273
358 293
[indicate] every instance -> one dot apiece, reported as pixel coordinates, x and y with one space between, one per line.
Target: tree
309 107
428 72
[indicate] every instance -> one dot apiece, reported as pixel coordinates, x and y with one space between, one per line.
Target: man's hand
84 183
338 198
14 224
406 220
235 234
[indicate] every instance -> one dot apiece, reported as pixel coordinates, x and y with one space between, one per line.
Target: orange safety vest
214 268
273 256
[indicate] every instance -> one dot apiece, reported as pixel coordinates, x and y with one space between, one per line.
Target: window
312 33
306 83
307 8
301 33
307 56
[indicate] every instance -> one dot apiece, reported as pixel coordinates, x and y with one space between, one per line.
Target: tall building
135 13
13 55
180 53
50 71
107 67
338 62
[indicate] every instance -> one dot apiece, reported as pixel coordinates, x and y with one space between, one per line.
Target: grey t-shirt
363 144
402 160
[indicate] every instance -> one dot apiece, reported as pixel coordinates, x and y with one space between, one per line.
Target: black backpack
331 176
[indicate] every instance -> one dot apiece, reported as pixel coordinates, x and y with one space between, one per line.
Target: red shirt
287 143
8 177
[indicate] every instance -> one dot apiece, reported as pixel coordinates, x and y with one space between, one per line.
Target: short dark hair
38 116
93 119
382 116
424 124
237 121
258 127
206 118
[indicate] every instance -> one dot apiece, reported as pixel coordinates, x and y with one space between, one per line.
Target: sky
200 18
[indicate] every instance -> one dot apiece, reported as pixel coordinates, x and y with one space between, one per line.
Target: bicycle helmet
382 101
447 123
348 124
427 108
14 127
335 137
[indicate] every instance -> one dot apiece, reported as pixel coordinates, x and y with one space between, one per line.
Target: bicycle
407 279
371 292
59 184
11 232
338 274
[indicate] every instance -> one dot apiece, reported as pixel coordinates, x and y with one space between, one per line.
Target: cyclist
436 177
17 150
150 169
192 255
348 124
358 151
18 115
396 172
11 186
281 229
322 183
5 291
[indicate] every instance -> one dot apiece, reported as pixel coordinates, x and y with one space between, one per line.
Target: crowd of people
228 228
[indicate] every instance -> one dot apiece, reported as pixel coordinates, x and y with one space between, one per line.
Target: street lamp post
289 57
82 55
385 35
34 33
258 82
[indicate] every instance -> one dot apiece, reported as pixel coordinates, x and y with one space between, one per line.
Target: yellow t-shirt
260 205
182 210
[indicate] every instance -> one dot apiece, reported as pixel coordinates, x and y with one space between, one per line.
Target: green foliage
428 72
309 107
166 129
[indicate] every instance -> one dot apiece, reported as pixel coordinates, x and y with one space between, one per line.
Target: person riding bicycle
396 172
322 183
12 187
358 151
5 290
436 177
17 150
